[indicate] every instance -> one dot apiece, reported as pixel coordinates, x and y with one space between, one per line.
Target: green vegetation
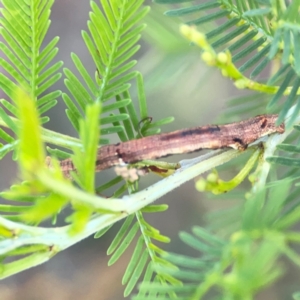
235 266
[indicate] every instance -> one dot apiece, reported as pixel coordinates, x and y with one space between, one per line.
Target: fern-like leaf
145 254
246 262
26 63
252 23
112 43
190 270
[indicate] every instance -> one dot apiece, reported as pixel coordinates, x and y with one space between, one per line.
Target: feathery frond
112 42
254 33
27 62
246 262
145 254
40 202
189 270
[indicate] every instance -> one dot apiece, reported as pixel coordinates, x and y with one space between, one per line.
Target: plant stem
51 137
